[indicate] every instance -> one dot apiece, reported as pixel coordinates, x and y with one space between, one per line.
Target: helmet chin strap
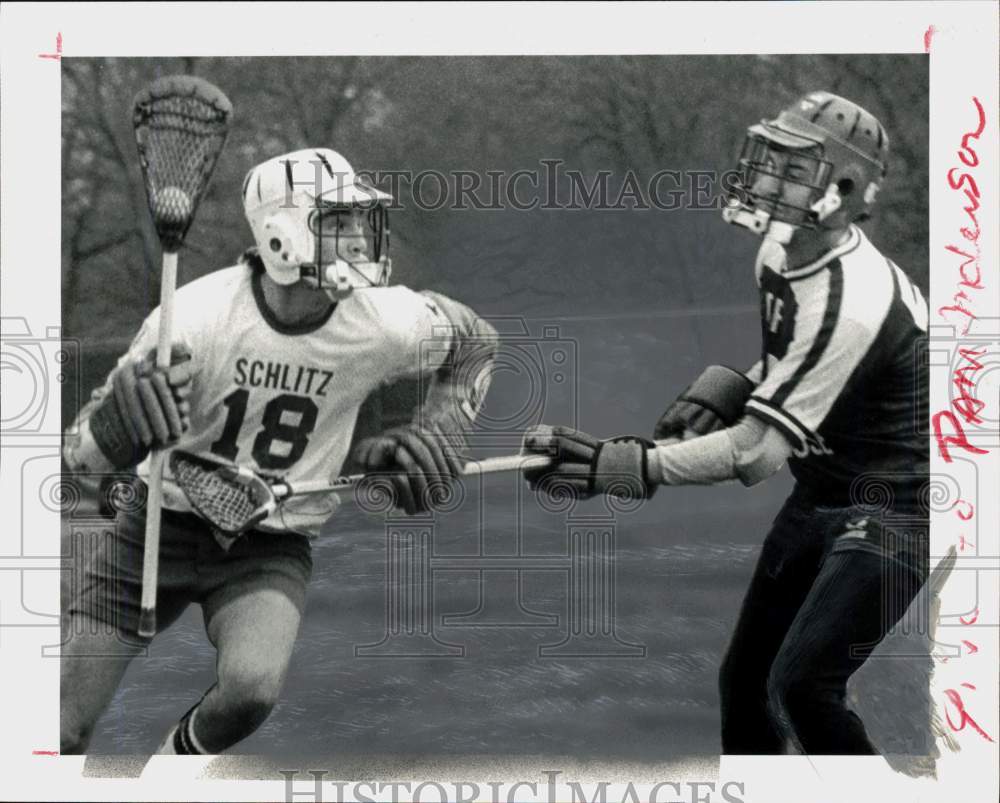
759 222
337 280
780 232
762 223
827 205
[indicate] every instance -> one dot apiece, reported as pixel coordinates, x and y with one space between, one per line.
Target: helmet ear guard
834 199
278 250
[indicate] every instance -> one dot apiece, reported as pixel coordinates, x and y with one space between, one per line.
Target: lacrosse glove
585 466
146 408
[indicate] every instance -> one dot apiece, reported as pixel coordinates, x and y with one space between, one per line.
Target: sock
166 747
181 741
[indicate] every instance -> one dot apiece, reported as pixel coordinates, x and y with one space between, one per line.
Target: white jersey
284 400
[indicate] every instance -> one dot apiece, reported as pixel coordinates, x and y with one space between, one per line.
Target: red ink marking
962 542
973 161
956 700
972 621
928 35
58 54
972 193
972 509
970 270
969 686
970 259
957 307
45 752
973 649
958 439
967 405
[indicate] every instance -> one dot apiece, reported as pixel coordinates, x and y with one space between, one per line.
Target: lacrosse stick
233 499
181 124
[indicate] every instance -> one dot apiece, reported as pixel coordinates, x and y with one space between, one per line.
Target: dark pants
827 588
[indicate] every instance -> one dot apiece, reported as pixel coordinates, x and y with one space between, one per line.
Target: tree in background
632 113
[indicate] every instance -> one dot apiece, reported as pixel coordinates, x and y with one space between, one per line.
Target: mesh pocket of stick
181 124
229 504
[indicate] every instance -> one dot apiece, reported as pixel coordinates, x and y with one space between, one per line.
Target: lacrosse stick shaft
514 462
474 468
154 503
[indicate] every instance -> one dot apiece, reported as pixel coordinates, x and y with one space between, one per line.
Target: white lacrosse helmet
294 202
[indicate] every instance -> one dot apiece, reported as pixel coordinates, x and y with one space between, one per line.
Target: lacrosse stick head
181 124
231 500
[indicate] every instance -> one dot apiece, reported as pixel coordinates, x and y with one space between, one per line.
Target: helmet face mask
348 248
315 221
783 183
817 166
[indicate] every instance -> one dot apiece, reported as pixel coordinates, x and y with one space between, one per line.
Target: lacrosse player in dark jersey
837 394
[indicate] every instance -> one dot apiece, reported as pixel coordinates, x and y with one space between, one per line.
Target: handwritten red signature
956 700
955 703
948 429
966 183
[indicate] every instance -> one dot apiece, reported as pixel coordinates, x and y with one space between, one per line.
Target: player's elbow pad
81 452
759 451
475 354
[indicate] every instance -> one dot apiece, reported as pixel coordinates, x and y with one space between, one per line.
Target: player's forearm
706 460
80 450
750 451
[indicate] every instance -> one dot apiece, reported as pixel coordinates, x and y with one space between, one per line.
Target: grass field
676 595
683 561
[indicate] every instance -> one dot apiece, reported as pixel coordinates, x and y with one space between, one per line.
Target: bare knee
73 742
74 736
249 697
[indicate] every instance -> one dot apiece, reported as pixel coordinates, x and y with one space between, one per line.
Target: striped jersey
843 370
284 400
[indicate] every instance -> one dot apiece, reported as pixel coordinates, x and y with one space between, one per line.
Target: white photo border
962 44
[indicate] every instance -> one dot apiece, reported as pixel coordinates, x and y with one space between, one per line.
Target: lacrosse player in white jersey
272 359
839 395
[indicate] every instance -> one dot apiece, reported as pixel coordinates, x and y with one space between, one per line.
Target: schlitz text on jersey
281 376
